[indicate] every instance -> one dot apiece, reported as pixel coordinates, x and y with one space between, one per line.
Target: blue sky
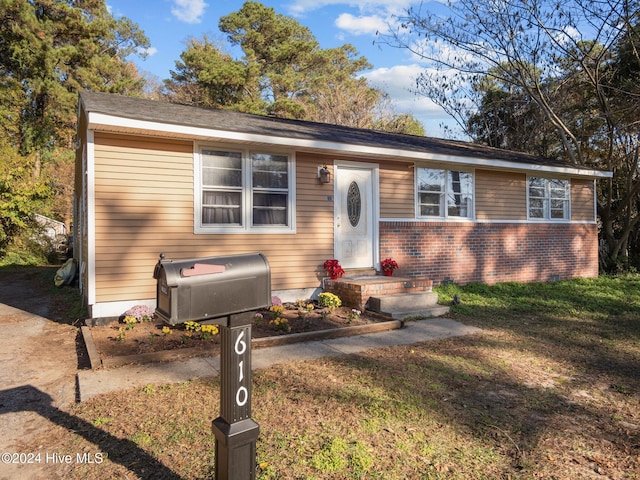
170 23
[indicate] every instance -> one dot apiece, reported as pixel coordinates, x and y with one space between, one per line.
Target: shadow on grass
557 373
124 452
477 398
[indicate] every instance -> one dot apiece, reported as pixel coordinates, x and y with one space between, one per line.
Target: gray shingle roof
174 114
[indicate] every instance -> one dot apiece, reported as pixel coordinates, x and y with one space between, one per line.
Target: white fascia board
97 121
91 218
506 165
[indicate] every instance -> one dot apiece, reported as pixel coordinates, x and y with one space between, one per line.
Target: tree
20 194
278 51
333 93
564 59
283 73
49 51
208 77
506 118
401 123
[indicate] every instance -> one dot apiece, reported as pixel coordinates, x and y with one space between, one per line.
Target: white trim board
101 121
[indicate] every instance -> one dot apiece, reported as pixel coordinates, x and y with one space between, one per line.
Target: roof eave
107 122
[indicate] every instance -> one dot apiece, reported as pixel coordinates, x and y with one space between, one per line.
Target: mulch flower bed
137 342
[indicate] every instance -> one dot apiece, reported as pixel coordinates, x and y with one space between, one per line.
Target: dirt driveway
38 366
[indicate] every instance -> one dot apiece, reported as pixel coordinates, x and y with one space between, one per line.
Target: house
52 229
154 177
54 234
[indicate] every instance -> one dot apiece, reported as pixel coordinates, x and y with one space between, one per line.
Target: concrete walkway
97 382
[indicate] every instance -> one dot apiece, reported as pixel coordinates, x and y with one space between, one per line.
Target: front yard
550 389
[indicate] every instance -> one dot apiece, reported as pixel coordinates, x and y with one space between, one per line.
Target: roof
130 114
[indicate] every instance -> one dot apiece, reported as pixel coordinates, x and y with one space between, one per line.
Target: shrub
141 313
329 300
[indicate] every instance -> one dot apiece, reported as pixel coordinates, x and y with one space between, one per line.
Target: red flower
333 268
389 264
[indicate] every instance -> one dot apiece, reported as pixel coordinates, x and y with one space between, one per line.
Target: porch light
324 175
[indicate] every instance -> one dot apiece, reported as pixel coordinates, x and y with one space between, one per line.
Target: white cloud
400 83
147 52
189 11
301 7
361 25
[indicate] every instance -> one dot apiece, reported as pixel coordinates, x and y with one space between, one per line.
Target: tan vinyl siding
143 188
313 242
397 190
501 195
582 207
144 206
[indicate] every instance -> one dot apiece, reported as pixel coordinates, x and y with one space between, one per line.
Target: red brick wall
491 252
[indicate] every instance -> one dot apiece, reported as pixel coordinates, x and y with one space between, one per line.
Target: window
548 199
444 193
244 191
270 189
221 188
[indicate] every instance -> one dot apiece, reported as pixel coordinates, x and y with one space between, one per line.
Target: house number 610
242 395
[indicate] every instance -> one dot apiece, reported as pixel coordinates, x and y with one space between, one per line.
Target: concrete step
402 305
359 272
436 311
403 301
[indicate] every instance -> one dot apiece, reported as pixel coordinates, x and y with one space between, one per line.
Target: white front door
355 229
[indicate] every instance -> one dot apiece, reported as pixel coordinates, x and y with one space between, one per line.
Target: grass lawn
550 389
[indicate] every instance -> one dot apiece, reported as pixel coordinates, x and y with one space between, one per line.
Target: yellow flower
277 309
212 329
166 330
192 326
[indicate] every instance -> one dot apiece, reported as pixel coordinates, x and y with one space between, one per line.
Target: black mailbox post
225 291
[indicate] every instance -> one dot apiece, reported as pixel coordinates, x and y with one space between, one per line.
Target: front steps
395 297
407 305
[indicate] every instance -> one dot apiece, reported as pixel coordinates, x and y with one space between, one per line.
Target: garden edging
170 355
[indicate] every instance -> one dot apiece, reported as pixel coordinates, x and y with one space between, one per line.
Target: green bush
326 299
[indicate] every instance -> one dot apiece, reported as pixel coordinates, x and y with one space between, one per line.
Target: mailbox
212 288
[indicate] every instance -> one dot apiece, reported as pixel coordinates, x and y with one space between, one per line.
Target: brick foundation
491 252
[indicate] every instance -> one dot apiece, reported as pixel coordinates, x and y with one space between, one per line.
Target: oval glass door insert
354 204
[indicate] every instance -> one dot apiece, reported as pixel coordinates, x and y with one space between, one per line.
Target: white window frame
547 200
444 215
246 194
